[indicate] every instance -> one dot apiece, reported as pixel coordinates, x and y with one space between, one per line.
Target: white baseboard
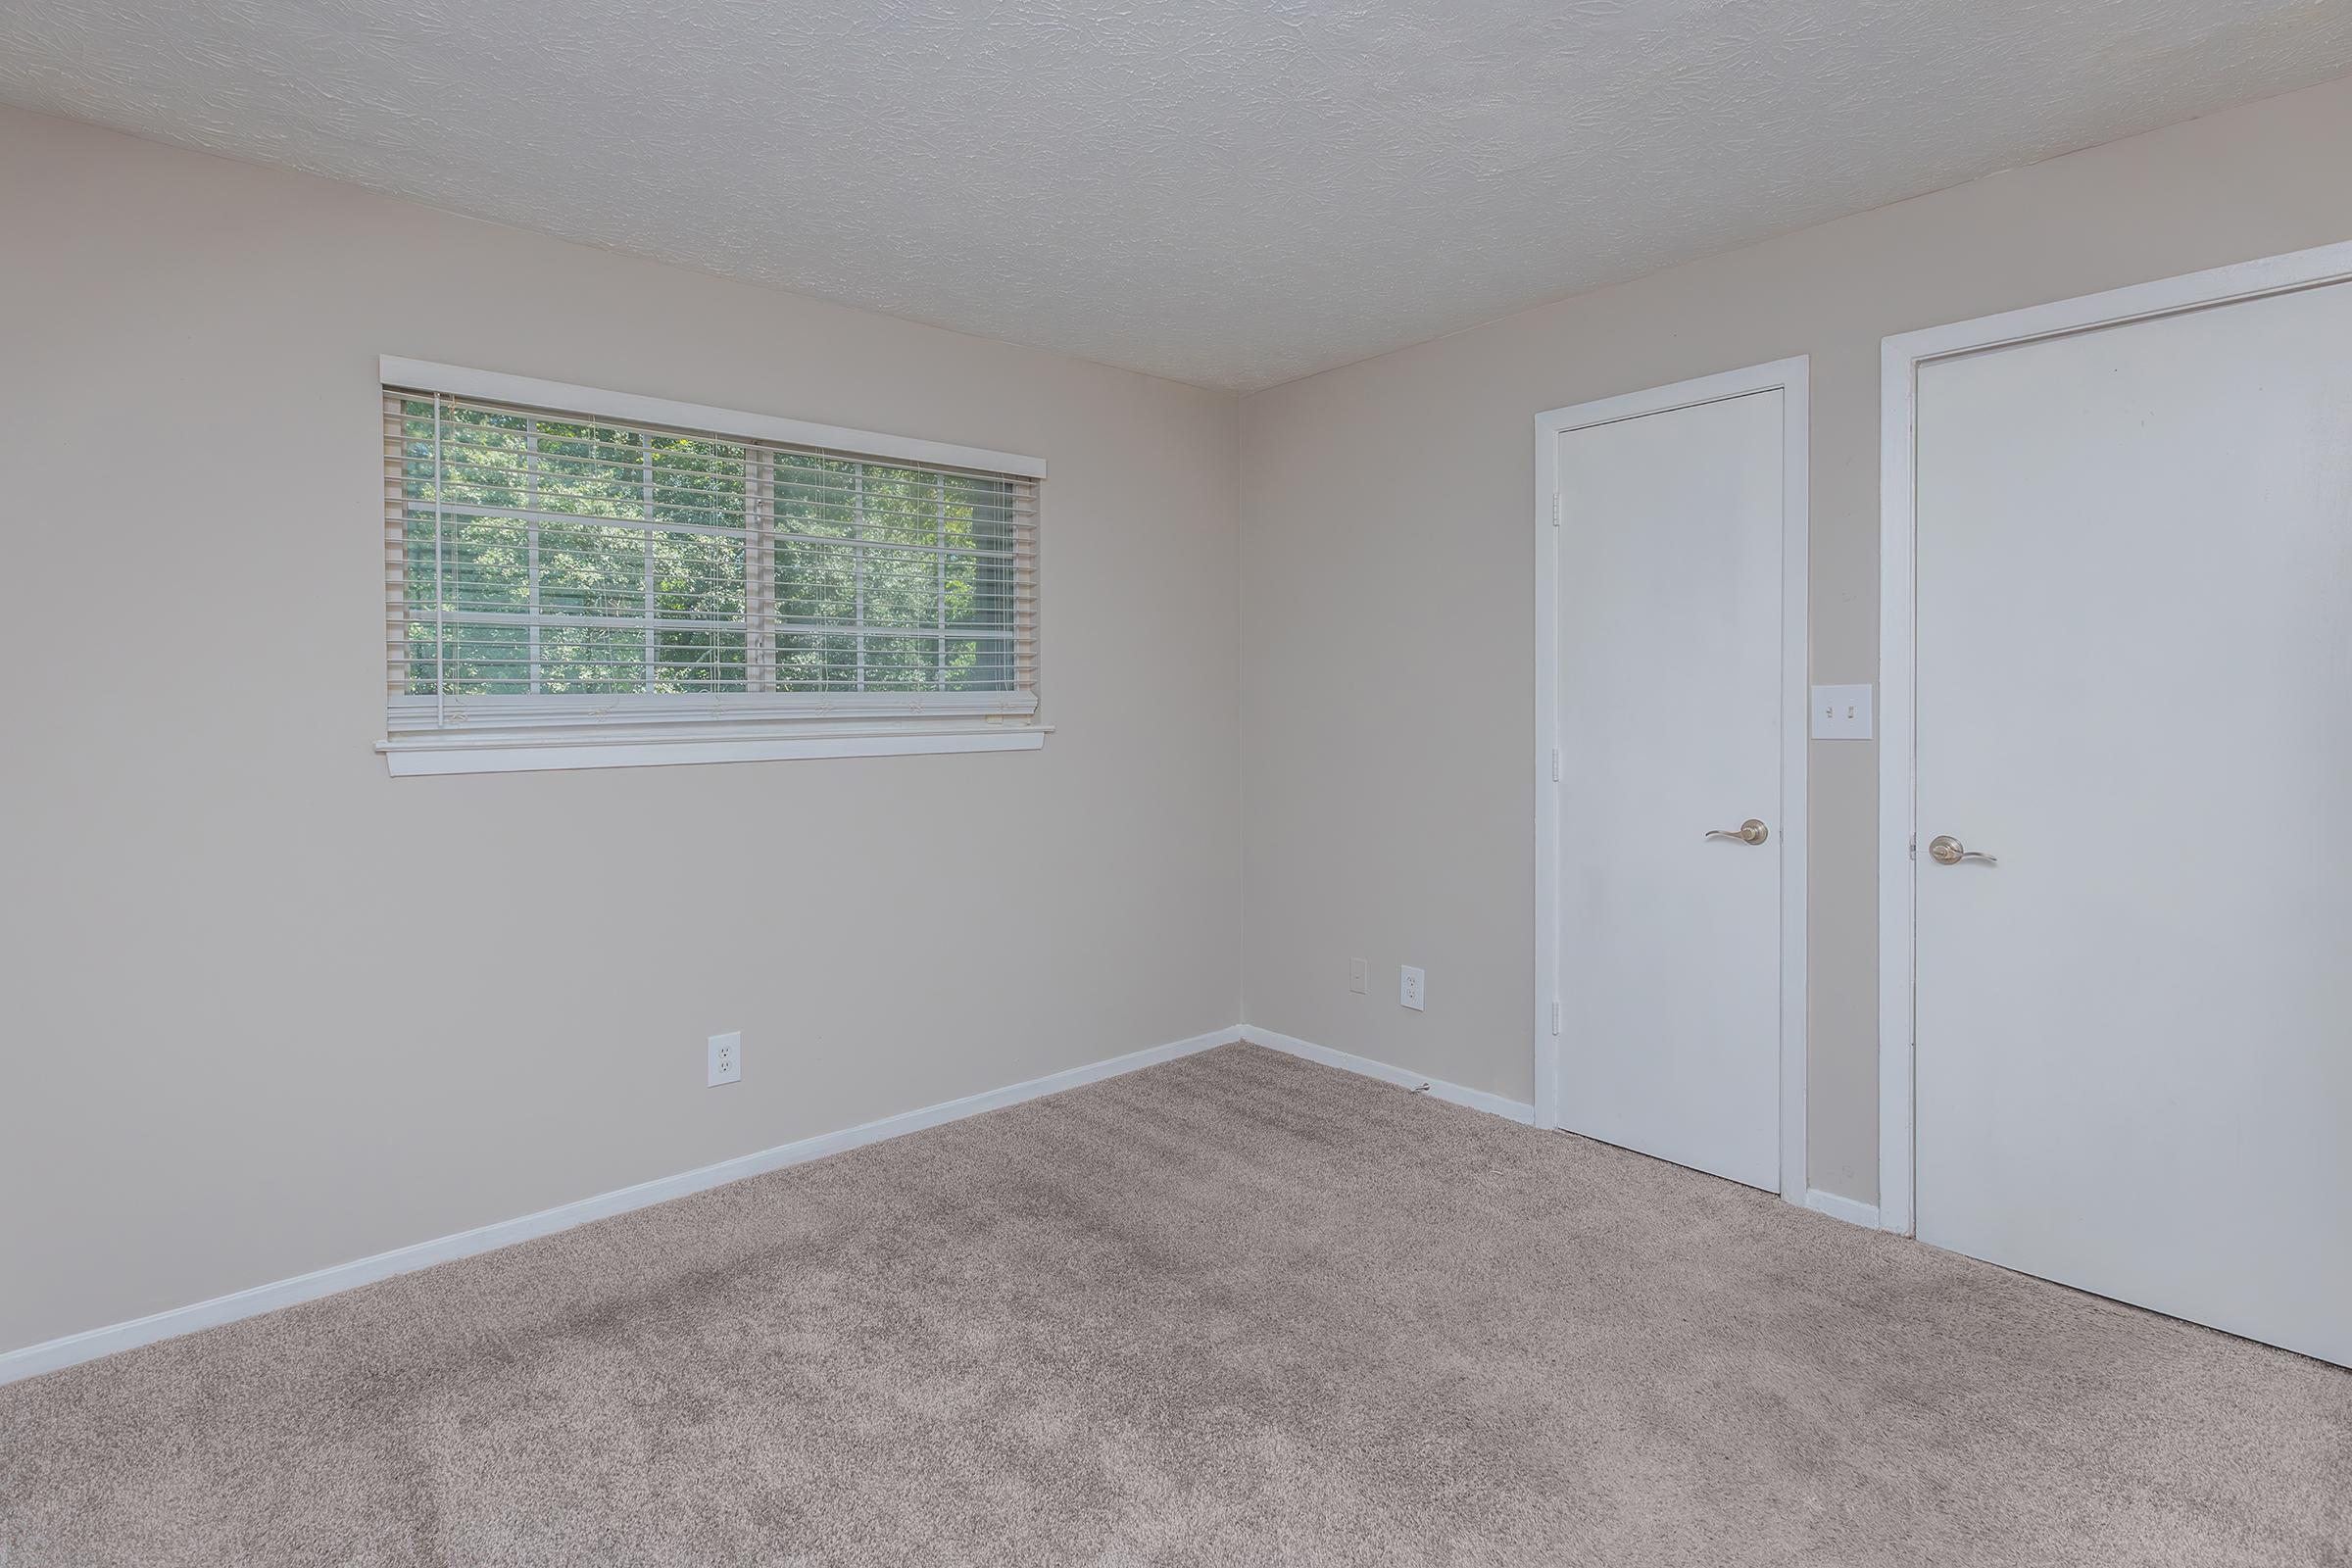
1438 1088
1852 1210
52 1355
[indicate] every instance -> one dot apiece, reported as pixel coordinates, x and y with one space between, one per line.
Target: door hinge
1555 765
1915 846
1555 1017
1556 509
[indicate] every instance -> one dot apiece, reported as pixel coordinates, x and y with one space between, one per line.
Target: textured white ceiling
1229 192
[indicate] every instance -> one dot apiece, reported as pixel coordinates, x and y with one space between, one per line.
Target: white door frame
1788 377
1902 356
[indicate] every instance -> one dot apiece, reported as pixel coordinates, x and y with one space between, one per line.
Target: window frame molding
702 733
630 407
512 753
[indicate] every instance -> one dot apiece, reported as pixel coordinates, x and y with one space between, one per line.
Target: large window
557 576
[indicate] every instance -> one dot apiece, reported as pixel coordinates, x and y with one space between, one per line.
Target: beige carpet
1237 1308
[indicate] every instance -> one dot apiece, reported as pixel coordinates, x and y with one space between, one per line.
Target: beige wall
267 1010
1386 559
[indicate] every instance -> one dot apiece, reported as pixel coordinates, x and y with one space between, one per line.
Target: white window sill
526 752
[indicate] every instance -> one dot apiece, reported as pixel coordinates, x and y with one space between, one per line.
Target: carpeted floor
1236 1308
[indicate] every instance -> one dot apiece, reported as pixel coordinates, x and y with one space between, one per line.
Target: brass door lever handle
1750 831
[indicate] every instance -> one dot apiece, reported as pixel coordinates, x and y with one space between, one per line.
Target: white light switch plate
1359 976
1841 712
1410 988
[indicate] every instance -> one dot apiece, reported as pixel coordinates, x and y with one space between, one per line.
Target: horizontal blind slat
550 566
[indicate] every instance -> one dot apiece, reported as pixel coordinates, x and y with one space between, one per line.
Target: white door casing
1672 963
2116 565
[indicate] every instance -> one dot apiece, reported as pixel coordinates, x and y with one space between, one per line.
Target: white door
2135 694
1670 692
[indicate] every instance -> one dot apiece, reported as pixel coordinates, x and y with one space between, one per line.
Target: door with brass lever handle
1750 831
1945 850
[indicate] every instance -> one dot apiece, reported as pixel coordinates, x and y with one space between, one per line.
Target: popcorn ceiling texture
1229 192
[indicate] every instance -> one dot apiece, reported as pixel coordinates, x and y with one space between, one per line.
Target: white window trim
628 408
833 727
514 752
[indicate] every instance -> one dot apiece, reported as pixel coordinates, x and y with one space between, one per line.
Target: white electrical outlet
1410 986
1359 976
726 1060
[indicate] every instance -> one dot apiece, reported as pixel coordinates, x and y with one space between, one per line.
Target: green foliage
582 558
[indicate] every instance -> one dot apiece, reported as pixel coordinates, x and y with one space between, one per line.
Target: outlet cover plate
1411 987
726 1060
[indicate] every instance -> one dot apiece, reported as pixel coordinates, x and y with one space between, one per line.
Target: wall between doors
1387 552
264 1009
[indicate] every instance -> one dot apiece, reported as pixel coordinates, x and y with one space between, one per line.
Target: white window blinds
551 568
